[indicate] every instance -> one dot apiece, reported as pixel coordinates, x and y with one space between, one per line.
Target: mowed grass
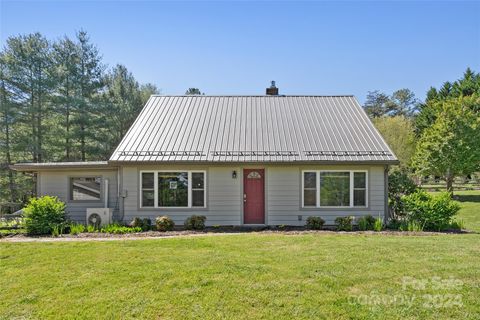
247 276
470 212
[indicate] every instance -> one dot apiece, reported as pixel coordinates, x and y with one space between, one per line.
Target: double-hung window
172 189
334 189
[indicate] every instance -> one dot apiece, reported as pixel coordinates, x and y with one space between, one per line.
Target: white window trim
318 195
155 189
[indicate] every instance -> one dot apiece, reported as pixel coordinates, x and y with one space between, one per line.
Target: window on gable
175 189
334 189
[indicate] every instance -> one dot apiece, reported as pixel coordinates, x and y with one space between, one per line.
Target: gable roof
253 129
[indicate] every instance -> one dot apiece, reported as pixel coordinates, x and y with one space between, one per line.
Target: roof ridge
253 95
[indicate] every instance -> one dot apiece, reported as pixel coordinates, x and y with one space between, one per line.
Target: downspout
106 193
385 179
120 194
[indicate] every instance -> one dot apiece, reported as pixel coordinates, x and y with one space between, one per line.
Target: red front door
253 196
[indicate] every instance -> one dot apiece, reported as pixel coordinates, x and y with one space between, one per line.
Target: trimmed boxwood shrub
195 222
164 223
431 212
315 223
44 215
344 223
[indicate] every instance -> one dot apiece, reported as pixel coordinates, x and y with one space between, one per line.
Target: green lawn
273 276
470 211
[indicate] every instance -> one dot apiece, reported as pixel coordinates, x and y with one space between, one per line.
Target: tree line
60 102
439 136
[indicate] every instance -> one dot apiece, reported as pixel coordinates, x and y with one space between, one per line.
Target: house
238 160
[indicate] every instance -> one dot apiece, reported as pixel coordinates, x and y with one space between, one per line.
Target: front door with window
253 196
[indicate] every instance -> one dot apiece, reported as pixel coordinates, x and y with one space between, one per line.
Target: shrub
136 222
164 223
366 223
146 224
76 228
315 223
431 212
344 223
399 185
44 214
116 228
378 225
195 222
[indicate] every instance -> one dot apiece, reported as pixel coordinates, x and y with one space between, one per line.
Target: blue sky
238 47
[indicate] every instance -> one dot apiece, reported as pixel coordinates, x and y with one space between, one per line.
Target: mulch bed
216 231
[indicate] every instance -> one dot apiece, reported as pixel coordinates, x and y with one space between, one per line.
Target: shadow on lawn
467 198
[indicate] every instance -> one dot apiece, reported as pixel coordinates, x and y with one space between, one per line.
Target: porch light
234 174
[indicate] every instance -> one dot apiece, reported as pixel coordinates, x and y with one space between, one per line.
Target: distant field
248 276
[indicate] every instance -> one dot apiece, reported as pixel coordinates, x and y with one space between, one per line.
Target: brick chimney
273 90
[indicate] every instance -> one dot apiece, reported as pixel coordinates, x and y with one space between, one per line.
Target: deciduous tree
451 146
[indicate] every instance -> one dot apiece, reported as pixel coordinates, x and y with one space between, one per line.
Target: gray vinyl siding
282 196
223 196
224 201
56 183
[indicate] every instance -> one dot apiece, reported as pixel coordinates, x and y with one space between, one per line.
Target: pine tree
8 117
66 60
28 59
90 83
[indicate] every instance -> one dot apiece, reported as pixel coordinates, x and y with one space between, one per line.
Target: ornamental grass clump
366 223
378 225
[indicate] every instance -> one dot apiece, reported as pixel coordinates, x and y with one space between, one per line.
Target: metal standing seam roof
253 129
26 166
